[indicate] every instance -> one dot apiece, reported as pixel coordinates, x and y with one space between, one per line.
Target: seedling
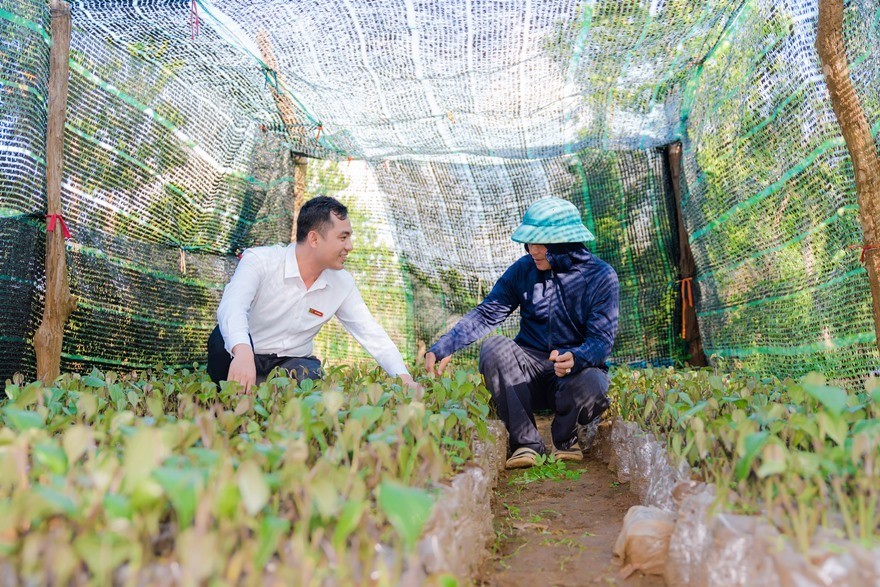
547 468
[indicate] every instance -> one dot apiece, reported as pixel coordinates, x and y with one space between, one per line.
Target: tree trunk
293 127
857 134
59 303
690 328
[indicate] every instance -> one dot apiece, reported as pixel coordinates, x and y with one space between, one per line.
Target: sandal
522 458
572 454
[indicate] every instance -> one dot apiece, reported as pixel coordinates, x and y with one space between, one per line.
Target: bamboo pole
59 303
857 134
690 328
292 122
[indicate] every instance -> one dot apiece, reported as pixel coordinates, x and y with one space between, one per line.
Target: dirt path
559 533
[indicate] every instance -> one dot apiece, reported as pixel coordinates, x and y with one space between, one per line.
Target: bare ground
559 533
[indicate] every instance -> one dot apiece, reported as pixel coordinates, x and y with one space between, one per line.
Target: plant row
803 453
161 477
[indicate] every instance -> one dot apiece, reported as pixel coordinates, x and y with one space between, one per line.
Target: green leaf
699 407
21 420
348 521
199 554
76 441
832 398
117 506
369 415
407 508
146 494
870 427
155 406
774 460
253 487
271 530
143 452
806 464
51 456
87 405
58 502
93 381
835 427
182 489
227 501
28 396
753 445
103 552
447 580
325 497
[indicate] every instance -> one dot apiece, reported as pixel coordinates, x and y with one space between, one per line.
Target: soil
559 532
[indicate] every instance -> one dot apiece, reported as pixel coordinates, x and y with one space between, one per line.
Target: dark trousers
219 361
522 380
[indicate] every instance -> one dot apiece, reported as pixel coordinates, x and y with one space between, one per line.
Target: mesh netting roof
439 123
398 78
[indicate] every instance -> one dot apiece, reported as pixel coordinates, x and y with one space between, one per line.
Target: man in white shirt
280 297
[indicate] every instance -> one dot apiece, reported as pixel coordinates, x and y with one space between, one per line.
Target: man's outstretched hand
563 363
433 368
410 382
243 369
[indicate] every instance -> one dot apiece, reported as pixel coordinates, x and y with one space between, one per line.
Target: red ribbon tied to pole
865 249
51 219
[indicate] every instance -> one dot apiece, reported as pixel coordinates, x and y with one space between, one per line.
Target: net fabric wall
374 263
24 76
771 204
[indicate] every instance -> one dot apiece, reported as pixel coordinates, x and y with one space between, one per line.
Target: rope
194 22
687 300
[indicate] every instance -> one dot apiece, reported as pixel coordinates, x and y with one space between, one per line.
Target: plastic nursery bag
644 540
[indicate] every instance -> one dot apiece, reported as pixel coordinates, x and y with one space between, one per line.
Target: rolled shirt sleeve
357 320
234 309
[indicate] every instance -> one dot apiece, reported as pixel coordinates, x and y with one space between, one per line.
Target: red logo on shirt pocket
316 312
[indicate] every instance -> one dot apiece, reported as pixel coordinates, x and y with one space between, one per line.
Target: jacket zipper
550 314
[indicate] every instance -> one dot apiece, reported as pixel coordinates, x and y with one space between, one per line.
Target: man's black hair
315 215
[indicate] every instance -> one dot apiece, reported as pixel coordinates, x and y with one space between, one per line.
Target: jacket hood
562 259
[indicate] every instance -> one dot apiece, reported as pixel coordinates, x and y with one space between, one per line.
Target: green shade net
438 123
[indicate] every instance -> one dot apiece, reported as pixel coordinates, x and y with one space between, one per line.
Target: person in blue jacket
568 301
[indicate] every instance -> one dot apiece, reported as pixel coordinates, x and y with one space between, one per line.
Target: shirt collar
291 269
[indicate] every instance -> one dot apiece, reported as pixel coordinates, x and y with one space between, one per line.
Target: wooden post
300 170
291 121
857 134
59 303
690 328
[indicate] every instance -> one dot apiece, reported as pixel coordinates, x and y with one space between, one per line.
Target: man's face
539 256
334 245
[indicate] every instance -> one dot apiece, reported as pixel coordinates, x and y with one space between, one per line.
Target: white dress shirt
268 300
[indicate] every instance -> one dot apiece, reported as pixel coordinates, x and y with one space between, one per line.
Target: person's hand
243 369
563 363
410 382
433 368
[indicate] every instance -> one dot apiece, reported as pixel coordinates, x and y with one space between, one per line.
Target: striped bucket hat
552 220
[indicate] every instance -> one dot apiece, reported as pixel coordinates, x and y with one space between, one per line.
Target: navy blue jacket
571 307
